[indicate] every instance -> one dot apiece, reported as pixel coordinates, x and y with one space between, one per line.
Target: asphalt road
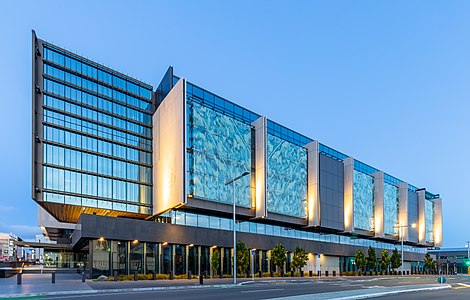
460 290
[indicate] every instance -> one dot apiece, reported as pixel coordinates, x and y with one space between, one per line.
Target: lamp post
402 228
232 181
467 244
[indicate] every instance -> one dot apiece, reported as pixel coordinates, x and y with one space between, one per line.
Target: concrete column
403 209
379 204
313 184
222 261
348 164
160 268
268 257
173 252
198 260
421 216
260 126
144 267
437 226
187 259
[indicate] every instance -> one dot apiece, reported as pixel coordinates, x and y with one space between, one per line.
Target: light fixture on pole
232 181
402 233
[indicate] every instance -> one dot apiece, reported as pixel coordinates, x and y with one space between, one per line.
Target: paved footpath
71 284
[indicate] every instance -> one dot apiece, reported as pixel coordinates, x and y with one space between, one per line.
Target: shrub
162 276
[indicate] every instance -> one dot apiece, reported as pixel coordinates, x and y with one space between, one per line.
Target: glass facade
429 219
219 149
287 177
363 190
97 136
391 209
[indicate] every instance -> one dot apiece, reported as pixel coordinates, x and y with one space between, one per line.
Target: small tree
429 262
278 256
371 258
300 258
360 260
243 257
215 261
385 260
395 259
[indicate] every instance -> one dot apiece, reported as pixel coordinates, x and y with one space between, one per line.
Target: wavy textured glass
363 201
287 177
221 151
391 205
429 219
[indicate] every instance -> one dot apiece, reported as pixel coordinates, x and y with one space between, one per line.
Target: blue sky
386 82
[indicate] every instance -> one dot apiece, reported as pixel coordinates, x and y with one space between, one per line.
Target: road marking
267 290
463 285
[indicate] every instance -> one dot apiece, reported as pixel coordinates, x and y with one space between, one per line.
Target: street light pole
232 181
402 233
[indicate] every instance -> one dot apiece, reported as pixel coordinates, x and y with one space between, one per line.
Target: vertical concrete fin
261 132
169 150
421 216
348 194
403 209
313 184
437 226
379 204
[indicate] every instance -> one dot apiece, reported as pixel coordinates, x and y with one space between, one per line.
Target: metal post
232 181
234 238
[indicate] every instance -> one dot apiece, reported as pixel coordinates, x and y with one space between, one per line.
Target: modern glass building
136 178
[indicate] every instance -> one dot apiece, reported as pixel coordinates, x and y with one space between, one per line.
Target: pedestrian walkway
42 283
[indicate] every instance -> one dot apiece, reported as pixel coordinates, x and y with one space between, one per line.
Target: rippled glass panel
391 206
287 177
363 201
221 150
429 219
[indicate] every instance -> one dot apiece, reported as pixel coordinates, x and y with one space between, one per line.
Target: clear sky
386 82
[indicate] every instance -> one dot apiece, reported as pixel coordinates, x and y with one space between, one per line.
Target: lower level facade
136 178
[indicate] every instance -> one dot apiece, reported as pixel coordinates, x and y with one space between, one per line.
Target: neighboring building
8 247
452 260
135 178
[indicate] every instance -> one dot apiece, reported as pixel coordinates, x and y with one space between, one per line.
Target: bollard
272 273
310 273
301 273
136 277
407 272
154 275
326 273
18 278
115 276
201 279
291 273
334 273
53 277
171 275
319 273
83 276
260 274
189 275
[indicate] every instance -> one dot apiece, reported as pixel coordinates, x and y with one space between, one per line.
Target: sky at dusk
387 82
